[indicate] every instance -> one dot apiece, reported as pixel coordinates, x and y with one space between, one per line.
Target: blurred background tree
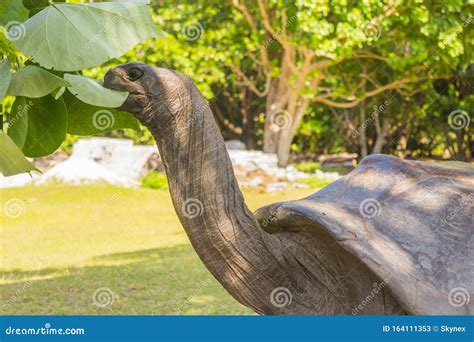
312 77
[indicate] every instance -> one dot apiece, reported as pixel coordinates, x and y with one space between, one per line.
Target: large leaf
92 92
12 160
85 119
78 36
33 81
12 12
5 77
38 126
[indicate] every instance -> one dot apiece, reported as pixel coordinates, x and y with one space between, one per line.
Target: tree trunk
270 135
362 130
249 129
461 153
378 145
381 129
236 114
296 109
284 147
273 105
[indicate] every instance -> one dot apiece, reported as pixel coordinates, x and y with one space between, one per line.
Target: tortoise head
154 93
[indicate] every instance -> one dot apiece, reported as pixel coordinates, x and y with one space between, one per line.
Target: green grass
70 241
315 182
155 180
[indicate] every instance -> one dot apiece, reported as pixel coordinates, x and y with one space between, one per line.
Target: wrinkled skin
304 271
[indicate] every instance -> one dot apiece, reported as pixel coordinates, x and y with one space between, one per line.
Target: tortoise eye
134 74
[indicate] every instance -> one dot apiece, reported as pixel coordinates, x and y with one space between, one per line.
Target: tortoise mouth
114 81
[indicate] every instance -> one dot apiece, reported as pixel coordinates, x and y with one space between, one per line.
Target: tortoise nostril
110 80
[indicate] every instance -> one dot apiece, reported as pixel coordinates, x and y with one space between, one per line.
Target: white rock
300 186
278 186
77 171
332 175
234 145
17 180
319 174
119 156
249 161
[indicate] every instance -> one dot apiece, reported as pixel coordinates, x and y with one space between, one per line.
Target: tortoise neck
208 201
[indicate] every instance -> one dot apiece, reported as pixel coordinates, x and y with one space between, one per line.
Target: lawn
105 250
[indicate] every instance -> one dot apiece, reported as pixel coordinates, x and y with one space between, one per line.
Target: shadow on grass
169 280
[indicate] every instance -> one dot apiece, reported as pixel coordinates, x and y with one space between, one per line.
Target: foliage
11 157
311 167
31 118
92 92
80 36
361 53
315 182
33 81
155 180
308 167
41 40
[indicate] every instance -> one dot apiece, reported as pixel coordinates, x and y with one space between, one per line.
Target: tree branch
393 85
251 84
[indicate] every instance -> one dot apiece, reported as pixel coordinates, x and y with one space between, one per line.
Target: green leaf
79 36
84 119
34 6
5 77
12 12
92 92
58 93
33 81
38 126
12 160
